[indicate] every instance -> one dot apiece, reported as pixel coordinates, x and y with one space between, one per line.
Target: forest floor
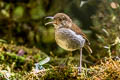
18 63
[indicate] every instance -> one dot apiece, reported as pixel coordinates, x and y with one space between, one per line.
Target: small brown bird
68 35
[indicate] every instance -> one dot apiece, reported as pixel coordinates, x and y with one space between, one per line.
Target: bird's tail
87 47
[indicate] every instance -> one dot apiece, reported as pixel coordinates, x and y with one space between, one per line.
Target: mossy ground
22 67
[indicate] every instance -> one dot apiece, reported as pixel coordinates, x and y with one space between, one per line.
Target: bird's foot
79 69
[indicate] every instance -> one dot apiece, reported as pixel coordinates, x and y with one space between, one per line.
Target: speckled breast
68 39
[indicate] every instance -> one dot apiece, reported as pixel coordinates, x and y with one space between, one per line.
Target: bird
68 35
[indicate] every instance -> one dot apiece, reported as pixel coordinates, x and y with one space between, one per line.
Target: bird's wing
78 31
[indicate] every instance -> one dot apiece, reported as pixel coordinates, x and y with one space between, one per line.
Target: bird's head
60 20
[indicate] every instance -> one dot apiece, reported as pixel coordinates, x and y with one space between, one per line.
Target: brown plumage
74 27
78 31
68 35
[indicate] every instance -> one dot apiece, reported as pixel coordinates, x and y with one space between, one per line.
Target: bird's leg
79 69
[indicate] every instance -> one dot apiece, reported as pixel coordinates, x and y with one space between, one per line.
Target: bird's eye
60 19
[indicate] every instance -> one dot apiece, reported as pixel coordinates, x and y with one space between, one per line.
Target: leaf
44 61
1 40
37 12
18 12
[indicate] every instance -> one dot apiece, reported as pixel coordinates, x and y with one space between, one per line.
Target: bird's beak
49 17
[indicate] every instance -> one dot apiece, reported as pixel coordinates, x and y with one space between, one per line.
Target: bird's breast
68 39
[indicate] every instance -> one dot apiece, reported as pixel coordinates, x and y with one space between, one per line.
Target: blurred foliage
22 22
107 29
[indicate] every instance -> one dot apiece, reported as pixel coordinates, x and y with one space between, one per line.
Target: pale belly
68 40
